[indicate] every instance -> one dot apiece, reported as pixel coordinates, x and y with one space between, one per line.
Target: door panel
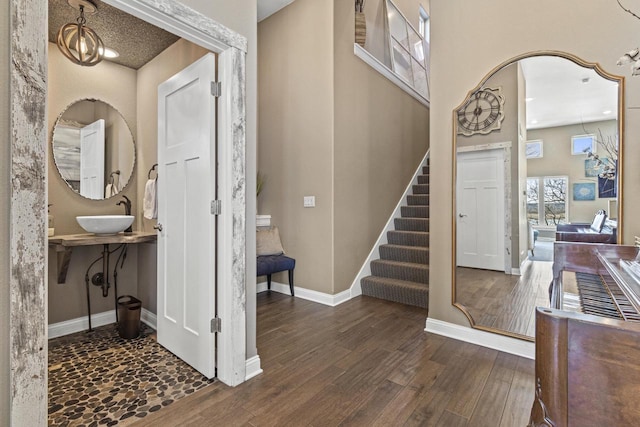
92 160
480 216
186 187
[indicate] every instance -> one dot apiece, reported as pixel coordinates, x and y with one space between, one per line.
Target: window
425 24
534 149
583 144
409 50
547 202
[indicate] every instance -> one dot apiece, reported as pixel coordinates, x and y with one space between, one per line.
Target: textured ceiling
135 40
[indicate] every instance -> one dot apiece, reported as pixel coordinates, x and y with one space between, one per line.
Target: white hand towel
150 202
111 190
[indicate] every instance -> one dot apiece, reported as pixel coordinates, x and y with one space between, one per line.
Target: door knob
462 215
158 227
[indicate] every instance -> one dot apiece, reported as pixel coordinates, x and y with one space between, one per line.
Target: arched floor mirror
537 144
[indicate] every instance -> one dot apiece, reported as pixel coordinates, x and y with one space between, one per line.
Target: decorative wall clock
482 113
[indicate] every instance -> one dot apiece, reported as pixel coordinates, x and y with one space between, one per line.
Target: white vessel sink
105 225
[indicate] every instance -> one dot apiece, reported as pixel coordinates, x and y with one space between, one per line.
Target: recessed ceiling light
533 122
606 112
109 53
529 99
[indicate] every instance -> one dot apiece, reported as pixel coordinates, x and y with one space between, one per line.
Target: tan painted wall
572 26
115 85
558 160
173 59
381 135
296 135
5 201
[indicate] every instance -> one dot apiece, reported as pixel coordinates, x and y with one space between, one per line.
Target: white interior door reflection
92 160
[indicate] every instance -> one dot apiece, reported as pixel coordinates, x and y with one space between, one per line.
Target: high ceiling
560 92
135 40
267 8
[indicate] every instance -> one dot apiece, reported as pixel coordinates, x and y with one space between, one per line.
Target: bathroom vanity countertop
70 240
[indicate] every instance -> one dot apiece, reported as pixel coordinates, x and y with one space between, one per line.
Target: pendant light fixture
79 43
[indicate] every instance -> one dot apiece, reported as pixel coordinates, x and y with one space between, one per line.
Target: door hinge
216 207
216 89
216 325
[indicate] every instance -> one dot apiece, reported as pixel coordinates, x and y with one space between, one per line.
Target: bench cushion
269 264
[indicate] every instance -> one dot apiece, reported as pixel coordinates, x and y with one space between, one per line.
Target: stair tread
397 282
401 263
408 231
407 247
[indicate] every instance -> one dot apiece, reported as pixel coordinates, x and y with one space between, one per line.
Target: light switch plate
309 201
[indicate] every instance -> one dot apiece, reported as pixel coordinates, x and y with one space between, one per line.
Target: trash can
129 316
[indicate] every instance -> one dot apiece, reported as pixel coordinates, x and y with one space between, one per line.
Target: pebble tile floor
98 378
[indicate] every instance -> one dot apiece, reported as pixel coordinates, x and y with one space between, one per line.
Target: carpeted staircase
402 272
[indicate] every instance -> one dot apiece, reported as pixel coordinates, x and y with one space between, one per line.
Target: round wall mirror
537 153
93 149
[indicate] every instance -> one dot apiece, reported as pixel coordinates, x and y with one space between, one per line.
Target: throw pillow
268 242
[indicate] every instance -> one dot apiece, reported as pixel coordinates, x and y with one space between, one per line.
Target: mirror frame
579 61
133 140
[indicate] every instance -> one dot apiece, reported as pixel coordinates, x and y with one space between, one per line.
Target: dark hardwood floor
366 362
503 301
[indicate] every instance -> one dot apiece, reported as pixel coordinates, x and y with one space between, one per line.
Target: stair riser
421 189
410 273
413 254
418 298
411 224
418 200
408 239
414 211
423 179
425 170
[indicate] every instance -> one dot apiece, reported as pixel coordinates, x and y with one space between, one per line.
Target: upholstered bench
271 258
269 264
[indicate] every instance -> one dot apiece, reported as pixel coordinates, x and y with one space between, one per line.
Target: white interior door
92 160
480 216
186 242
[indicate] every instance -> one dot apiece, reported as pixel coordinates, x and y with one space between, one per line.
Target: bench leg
291 281
268 281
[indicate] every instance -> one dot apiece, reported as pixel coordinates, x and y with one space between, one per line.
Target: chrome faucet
127 210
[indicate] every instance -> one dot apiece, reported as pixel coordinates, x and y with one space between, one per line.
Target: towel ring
153 168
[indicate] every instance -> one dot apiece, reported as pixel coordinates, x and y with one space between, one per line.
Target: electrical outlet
309 201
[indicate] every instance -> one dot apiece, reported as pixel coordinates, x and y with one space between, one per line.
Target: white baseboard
308 294
365 270
81 324
253 368
149 318
502 343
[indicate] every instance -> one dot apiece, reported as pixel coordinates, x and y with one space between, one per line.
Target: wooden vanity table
64 245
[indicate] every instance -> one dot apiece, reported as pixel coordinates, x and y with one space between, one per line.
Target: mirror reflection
537 151
93 149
